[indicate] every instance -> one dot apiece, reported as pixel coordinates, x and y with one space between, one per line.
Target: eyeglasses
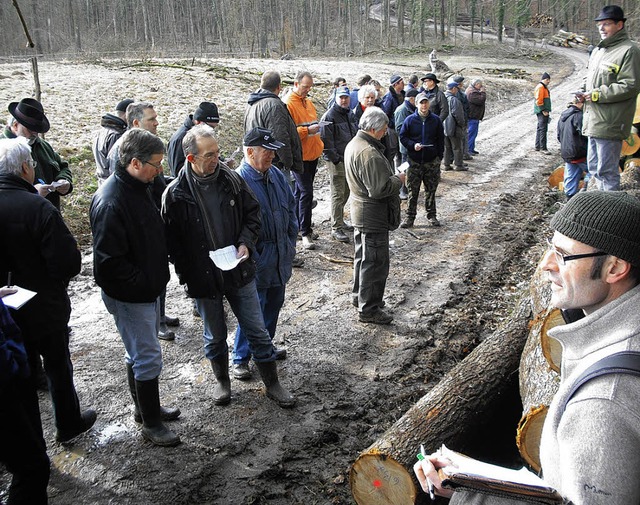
562 258
208 156
157 167
33 163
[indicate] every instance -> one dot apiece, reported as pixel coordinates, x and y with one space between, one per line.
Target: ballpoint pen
9 280
422 456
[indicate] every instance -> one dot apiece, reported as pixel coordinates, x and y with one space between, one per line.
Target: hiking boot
87 420
165 333
434 222
275 391
297 262
222 389
462 168
241 371
171 321
307 243
347 227
340 236
280 353
407 222
474 152
447 167
467 157
377 316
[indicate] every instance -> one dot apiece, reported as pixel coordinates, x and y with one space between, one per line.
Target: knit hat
545 76
606 220
394 79
123 104
207 112
612 12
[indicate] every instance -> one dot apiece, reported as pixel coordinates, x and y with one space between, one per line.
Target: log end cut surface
377 479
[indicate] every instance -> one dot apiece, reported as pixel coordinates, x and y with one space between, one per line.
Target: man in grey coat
454 129
590 443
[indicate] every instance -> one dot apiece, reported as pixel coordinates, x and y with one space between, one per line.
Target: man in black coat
339 126
573 146
42 256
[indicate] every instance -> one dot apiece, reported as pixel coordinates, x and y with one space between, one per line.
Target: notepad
19 298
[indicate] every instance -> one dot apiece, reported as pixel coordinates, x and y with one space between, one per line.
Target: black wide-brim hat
29 112
612 12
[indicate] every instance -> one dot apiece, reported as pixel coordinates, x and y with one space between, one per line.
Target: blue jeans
603 159
303 193
370 269
271 301
138 325
472 131
245 305
572 175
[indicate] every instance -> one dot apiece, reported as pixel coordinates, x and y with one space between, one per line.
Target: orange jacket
304 114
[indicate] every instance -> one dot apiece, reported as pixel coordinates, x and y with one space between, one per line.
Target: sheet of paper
402 168
225 258
18 299
470 466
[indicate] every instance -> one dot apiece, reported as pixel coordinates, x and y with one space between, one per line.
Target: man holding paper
590 444
206 208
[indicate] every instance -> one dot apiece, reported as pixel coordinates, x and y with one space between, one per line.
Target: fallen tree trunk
382 474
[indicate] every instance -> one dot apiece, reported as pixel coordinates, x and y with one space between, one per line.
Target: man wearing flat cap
53 175
276 243
611 88
207 112
209 211
590 443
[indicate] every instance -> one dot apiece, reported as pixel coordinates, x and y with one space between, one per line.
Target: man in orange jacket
305 117
542 109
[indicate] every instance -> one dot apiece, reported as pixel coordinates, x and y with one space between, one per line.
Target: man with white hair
40 254
375 210
477 97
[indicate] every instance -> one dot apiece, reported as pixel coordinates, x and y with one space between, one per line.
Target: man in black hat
277 238
207 112
53 175
611 88
212 221
437 101
113 126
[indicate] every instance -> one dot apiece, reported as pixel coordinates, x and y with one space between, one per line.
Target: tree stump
382 474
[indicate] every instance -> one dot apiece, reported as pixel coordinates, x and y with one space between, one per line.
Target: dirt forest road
448 288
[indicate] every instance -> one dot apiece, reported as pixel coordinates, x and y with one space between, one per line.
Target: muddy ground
448 289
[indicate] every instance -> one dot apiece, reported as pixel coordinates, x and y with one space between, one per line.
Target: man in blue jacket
573 146
422 135
276 243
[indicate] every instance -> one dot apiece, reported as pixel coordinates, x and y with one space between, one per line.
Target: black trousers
23 449
541 131
370 269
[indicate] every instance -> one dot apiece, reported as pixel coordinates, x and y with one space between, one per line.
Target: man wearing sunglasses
590 444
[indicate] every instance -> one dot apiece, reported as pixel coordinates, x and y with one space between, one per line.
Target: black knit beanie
606 220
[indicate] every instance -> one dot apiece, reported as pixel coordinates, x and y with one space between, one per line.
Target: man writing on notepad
590 444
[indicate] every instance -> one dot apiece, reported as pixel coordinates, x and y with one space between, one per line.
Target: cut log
382 474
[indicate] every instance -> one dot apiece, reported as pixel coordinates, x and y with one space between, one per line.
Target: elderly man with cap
542 109
422 135
477 98
40 254
437 99
113 126
212 220
454 129
276 243
207 112
53 175
339 126
590 444
612 85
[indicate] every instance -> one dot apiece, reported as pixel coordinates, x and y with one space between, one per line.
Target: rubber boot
269 373
222 390
166 414
153 429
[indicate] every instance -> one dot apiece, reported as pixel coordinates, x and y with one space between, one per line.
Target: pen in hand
429 483
9 280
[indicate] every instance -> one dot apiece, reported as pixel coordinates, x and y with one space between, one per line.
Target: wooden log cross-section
382 474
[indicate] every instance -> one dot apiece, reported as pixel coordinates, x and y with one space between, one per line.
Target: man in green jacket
53 175
612 85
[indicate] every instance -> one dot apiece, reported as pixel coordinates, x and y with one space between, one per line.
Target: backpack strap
626 362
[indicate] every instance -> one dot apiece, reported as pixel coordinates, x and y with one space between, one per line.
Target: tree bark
382 474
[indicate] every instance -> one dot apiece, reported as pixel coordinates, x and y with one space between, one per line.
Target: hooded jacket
573 145
613 79
112 129
266 110
175 154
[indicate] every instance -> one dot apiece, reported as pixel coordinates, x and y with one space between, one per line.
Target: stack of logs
569 39
382 474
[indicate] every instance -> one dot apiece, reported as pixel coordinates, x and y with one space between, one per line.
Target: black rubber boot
222 390
153 429
166 413
275 391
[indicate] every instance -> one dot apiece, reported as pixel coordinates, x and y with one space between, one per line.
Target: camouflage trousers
427 173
